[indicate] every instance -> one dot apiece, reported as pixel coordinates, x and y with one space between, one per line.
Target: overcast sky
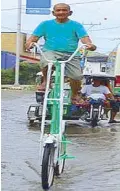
102 15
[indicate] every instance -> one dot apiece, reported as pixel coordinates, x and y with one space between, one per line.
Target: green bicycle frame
55 121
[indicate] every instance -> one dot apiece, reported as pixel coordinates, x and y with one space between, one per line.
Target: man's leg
44 81
75 87
74 72
112 115
42 86
115 109
50 55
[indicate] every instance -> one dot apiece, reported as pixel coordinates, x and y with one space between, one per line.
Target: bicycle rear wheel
61 157
47 173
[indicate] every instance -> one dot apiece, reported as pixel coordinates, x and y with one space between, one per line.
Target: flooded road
95 168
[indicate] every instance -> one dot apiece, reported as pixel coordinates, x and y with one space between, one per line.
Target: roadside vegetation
27 74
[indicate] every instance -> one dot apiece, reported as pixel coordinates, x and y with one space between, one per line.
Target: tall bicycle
53 146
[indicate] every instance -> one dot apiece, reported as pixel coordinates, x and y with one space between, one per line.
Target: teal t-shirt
61 37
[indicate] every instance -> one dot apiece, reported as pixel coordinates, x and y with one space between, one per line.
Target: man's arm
83 90
87 40
37 33
107 93
30 41
109 96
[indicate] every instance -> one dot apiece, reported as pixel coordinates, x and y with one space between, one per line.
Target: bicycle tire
94 119
31 122
47 173
59 168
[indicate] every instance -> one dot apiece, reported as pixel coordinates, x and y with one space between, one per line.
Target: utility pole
18 43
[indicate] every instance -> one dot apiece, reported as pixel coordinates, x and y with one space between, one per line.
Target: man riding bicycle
61 40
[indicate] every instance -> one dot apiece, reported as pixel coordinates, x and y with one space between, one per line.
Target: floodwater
96 166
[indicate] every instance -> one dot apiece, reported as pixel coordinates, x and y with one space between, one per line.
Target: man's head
61 11
96 82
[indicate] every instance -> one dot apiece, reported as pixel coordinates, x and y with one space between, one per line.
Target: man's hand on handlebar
30 42
91 47
29 46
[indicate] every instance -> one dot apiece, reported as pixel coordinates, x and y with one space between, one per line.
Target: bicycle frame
57 126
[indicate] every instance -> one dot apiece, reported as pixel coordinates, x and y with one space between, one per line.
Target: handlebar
83 47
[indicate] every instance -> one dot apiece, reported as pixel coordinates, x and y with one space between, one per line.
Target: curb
19 87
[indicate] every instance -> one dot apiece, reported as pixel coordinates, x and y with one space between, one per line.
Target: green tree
27 74
7 76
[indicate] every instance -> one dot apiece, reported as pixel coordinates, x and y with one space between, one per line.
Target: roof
13 32
101 76
97 58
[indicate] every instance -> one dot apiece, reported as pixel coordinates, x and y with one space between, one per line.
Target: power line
14 30
108 38
13 8
106 28
10 9
11 29
87 2
100 1
7 28
84 24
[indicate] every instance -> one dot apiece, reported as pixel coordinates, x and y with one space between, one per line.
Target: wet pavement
95 168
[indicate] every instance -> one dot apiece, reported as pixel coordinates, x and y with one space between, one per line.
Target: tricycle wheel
31 122
94 119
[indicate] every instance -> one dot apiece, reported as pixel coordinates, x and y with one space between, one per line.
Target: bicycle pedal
66 142
66 157
70 157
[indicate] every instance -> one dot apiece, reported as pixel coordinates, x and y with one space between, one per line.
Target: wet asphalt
96 166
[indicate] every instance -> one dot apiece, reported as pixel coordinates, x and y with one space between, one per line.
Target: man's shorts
72 68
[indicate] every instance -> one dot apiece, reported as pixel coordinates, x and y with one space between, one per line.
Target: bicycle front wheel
47 173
